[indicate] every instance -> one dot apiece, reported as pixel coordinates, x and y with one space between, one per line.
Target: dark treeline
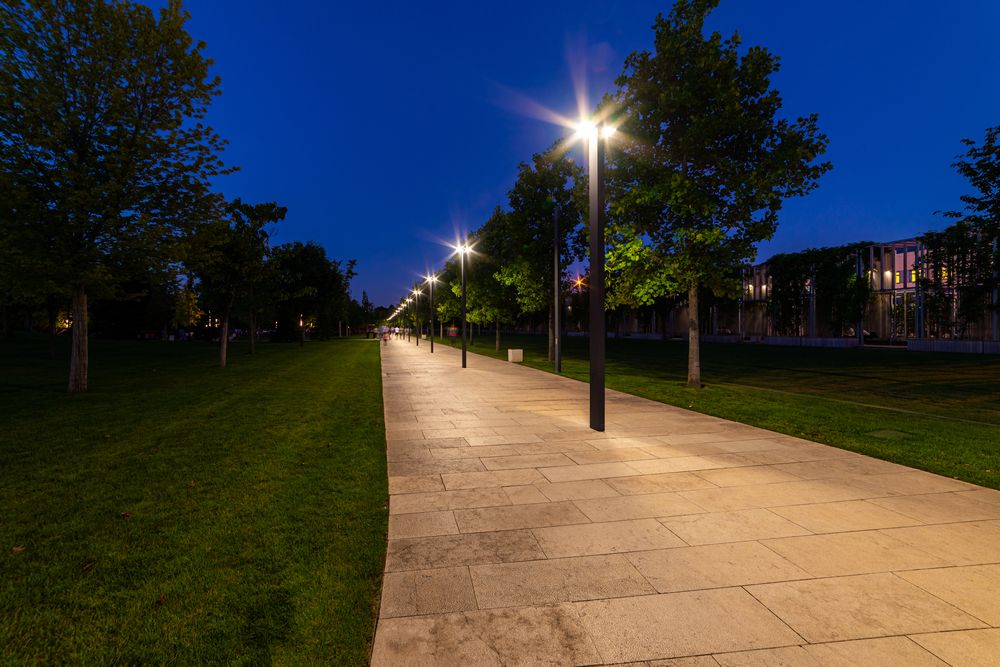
108 222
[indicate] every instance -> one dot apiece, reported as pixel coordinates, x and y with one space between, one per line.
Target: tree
367 309
981 165
552 180
311 288
447 296
251 252
101 140
705 162
841 296
230 259
980 225
491 301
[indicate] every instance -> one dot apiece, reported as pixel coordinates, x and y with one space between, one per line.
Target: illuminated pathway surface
519 536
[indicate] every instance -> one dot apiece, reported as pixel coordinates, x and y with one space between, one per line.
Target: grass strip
180 513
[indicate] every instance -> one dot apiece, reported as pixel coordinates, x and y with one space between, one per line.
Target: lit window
897 277
944 274
913 275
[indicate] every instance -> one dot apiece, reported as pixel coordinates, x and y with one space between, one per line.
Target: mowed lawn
937 412
178 513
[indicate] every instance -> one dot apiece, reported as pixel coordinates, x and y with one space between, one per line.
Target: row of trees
956 271
968 250
696 179
106 166
291 284
830 276
697 174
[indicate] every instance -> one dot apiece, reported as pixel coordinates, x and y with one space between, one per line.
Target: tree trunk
52 312
78 358
694 351
224 337
253 324
498 335
253 331
552 333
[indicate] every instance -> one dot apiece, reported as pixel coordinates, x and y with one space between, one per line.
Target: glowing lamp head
588 129
585 129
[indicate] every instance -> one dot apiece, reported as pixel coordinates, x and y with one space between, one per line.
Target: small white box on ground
517 356
424 336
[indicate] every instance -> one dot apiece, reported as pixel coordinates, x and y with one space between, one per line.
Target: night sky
387 127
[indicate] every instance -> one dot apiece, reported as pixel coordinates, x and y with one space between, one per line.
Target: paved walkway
519 536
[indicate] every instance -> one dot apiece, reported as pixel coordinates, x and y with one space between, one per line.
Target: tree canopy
704 162
103 151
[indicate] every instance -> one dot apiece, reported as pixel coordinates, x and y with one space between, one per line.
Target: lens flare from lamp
585 129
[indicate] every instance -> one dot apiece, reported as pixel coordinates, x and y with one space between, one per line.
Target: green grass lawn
178 513
937 412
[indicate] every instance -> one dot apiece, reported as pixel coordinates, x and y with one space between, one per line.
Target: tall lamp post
416 312
430 280
463 250
409 300
556 307
593 133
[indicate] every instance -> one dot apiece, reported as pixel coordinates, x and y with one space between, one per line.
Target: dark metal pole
416 318
812 306
861 275
918 293
463 307
595 149
432 315
557 305
996 294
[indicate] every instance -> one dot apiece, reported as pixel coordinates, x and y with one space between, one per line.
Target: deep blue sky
386 125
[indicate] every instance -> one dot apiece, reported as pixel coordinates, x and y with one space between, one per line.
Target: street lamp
416 312
408 311
592 133
462 251
556 306
430 280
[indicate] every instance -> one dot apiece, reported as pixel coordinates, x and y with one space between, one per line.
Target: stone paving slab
518 536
